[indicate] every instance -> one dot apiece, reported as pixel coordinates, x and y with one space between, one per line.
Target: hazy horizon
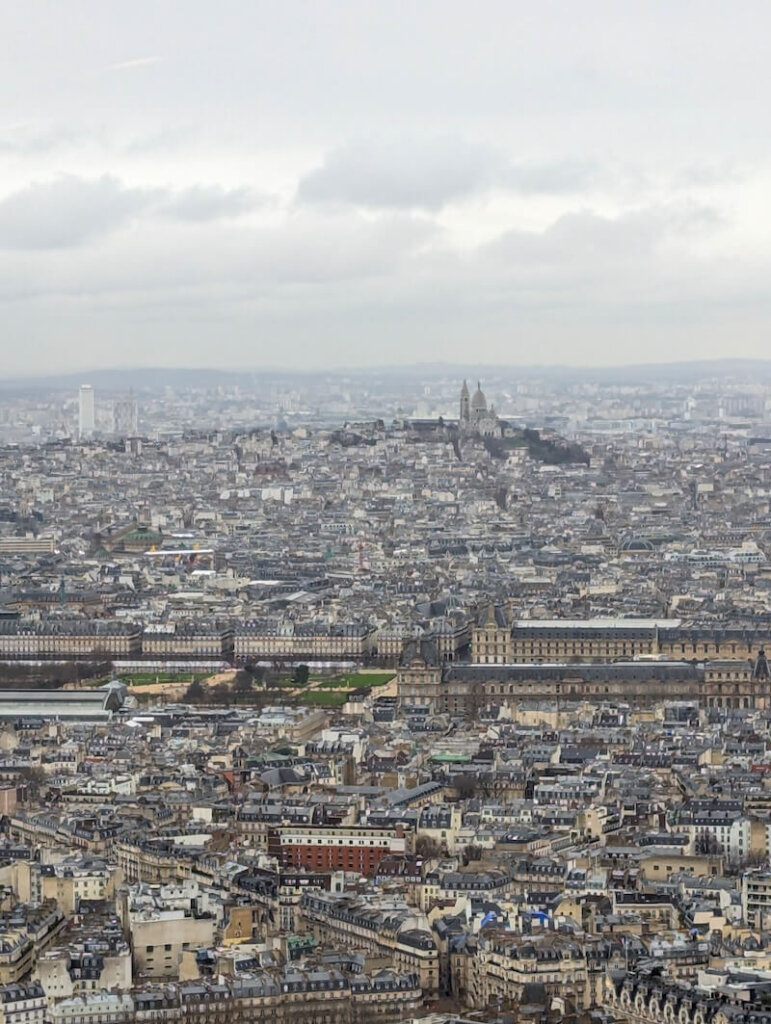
434 364
370 184
737 369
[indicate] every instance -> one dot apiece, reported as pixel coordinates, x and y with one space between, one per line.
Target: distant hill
638 373
141 379
152 379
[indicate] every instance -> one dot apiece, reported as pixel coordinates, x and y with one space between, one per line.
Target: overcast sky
287 183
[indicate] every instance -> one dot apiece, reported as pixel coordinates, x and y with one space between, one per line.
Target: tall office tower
85 411
125 416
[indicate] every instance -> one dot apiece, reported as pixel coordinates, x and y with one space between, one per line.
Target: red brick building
335 848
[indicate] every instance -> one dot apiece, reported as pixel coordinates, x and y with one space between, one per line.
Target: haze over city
368 183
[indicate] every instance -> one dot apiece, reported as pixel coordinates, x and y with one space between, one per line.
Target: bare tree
466 786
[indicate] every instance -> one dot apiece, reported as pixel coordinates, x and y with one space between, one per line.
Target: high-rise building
464 404
85 411
125 416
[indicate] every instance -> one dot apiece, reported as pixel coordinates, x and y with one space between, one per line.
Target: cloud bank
372 183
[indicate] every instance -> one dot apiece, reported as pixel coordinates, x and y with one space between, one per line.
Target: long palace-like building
637 661
630 660
498 641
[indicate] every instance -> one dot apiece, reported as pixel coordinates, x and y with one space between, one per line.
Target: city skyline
386 697
385 513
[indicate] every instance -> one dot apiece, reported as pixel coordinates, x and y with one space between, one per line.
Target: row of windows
348 841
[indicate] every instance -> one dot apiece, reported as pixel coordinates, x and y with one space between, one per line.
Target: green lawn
328 683
323 698
354 680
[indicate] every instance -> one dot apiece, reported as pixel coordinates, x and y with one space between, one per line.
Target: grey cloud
582 254
710 173
309 252
420 174
429 174
66 212
552 177
373 284
535 113
31 140
583 240
210 203
314 250
167 140
70 211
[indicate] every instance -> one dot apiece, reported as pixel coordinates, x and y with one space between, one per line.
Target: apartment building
152 861
506 963
76 639
27 930
163 921
191 639
291 995
22 1004
330 848
312 641
391 929
86 967
756 899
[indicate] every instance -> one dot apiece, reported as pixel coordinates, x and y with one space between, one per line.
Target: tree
272 677
465 786
300 676
427 847
707 843
750 860
34 779
221 694
257 672
242 684
472 852
195 692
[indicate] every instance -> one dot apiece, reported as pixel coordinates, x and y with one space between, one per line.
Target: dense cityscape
386 696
